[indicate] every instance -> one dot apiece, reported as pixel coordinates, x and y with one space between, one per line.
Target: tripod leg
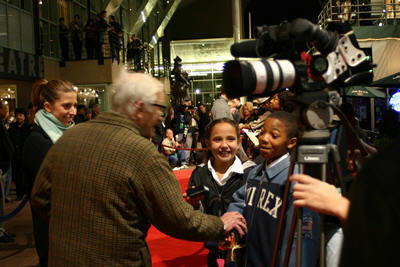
299 241
283 212
290 241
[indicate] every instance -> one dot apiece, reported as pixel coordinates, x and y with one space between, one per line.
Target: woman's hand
319 196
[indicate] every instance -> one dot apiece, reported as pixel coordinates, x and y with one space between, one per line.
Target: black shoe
6 239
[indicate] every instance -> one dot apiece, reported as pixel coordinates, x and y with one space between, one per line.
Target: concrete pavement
22 252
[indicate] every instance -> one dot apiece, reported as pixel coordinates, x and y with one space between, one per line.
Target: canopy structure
361 91
367 92
389 81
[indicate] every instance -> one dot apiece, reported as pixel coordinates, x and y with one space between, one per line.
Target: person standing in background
204 119
55 105
113 37
63 36
76 29
6 154
91 39
19 131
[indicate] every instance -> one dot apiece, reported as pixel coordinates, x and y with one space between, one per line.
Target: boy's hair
289 120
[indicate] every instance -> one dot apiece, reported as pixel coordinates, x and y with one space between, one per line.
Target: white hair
131 87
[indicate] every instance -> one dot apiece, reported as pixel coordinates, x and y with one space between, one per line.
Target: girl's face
64 108
223 142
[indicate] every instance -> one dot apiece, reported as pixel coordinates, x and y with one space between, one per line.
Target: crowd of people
95 36
102 199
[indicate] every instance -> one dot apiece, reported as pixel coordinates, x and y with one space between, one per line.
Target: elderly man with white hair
103 183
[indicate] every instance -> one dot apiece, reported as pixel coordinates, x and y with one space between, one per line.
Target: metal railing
50 47
360 12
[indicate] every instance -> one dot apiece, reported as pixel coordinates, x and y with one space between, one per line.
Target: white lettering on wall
21 56
31 66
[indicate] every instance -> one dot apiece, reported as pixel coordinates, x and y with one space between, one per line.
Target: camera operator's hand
319 196
234 220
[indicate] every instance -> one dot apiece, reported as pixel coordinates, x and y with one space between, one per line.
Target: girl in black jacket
222 175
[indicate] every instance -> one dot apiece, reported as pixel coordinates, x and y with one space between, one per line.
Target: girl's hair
43 90
249 106
210 127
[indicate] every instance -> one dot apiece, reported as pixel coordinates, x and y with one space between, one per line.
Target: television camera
315 64
333 60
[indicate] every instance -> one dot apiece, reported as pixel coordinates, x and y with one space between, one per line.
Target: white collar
236 167
276 161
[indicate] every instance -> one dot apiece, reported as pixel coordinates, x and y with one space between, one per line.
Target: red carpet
172 252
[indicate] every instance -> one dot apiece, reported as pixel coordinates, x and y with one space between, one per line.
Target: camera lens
258 77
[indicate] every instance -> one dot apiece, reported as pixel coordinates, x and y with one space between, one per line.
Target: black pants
77 48
41 235
64 49
137 57
114 49
91 49
17 176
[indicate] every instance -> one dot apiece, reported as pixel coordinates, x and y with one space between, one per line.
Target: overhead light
143 16
154 39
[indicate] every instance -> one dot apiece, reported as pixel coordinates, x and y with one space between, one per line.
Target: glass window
3 26
53 15
14 34
53 41
14 2
27 5
44 9
27 33
46 38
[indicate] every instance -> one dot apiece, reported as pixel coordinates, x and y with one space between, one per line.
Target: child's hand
195 201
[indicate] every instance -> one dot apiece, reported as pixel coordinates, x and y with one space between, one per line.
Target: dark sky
271 12
196 19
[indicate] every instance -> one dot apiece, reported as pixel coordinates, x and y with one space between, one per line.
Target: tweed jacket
107 184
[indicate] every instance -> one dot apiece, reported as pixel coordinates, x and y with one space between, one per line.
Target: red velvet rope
184 148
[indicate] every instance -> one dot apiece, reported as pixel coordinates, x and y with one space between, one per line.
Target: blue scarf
50 124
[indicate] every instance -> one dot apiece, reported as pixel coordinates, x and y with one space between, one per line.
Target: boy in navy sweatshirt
260 199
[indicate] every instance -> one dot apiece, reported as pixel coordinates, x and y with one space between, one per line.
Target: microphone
245 49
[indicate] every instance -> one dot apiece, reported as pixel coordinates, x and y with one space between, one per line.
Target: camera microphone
251 48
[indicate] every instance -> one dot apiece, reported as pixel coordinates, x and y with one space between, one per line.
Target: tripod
313 155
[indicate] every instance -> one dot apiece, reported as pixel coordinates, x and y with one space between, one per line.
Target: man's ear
292 143
139 108
47 106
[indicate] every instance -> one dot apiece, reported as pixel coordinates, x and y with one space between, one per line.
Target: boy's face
275 103
274 141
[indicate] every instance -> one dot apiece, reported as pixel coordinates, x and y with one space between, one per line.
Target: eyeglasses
162 108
